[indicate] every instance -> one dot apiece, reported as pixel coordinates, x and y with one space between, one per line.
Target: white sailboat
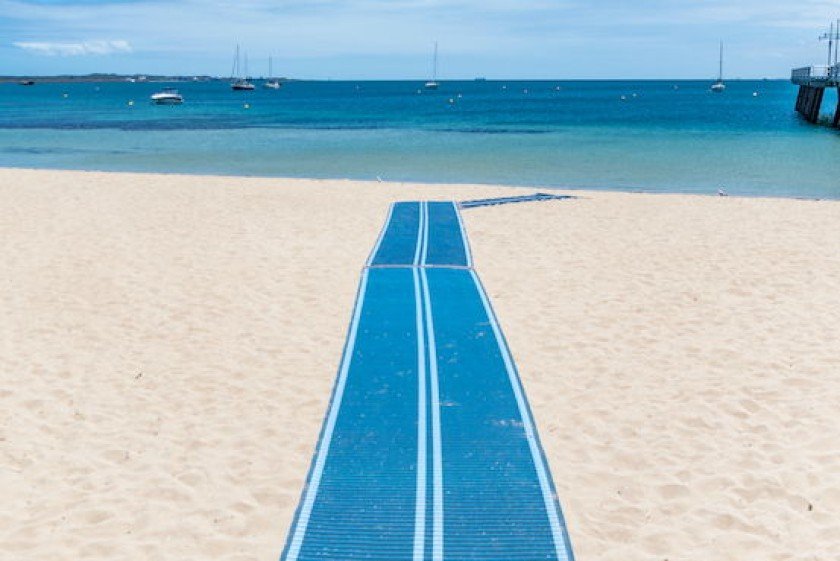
719 86
433 84
271 83
238 82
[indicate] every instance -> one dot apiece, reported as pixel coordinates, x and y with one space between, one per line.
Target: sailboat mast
234 73
833 37
434 64
720 64
836 39
270 72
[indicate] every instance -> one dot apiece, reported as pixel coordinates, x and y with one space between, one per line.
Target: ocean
655 136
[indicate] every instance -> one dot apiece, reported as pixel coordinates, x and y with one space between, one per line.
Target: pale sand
169 344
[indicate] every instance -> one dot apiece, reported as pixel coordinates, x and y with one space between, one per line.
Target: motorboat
167 96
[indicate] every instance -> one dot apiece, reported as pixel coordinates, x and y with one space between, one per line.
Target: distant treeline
109 78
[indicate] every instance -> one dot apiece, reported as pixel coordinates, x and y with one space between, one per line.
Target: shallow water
663 136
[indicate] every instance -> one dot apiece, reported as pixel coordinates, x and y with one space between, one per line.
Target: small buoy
460 96
755 94
130 102
504 87
557 89
635 95
65 95
247 106
451 100
624 98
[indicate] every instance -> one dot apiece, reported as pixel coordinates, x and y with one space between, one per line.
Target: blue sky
368 39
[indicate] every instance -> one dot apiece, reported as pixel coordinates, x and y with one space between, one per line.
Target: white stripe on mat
381 237
464 239
421 225
434 405
420 505
329 427
557 531
425 235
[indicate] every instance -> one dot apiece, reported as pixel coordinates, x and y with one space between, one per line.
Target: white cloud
74 49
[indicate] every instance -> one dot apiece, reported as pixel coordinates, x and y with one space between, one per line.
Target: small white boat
433 84
719 86
167 96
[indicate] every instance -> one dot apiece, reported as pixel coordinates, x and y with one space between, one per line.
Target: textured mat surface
428 450
422 234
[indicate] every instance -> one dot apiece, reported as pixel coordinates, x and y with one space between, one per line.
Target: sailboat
271 83
432 84
240 83
719 86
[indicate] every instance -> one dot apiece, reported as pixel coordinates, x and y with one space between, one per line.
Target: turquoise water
548 133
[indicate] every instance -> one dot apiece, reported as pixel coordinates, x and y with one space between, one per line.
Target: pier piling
836 122
809 102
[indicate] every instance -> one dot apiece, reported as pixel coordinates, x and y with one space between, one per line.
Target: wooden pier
812 82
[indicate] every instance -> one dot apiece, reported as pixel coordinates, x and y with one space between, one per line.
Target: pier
812 82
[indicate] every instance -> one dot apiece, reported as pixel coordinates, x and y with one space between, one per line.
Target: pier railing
809 74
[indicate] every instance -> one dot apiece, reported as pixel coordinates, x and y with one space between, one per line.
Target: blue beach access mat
510 200
429 451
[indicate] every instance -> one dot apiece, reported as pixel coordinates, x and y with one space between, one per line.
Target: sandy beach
168 345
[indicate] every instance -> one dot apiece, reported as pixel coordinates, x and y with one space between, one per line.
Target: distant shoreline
115 78
140 78
107 78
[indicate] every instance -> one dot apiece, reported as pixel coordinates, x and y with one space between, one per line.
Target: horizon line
403 79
